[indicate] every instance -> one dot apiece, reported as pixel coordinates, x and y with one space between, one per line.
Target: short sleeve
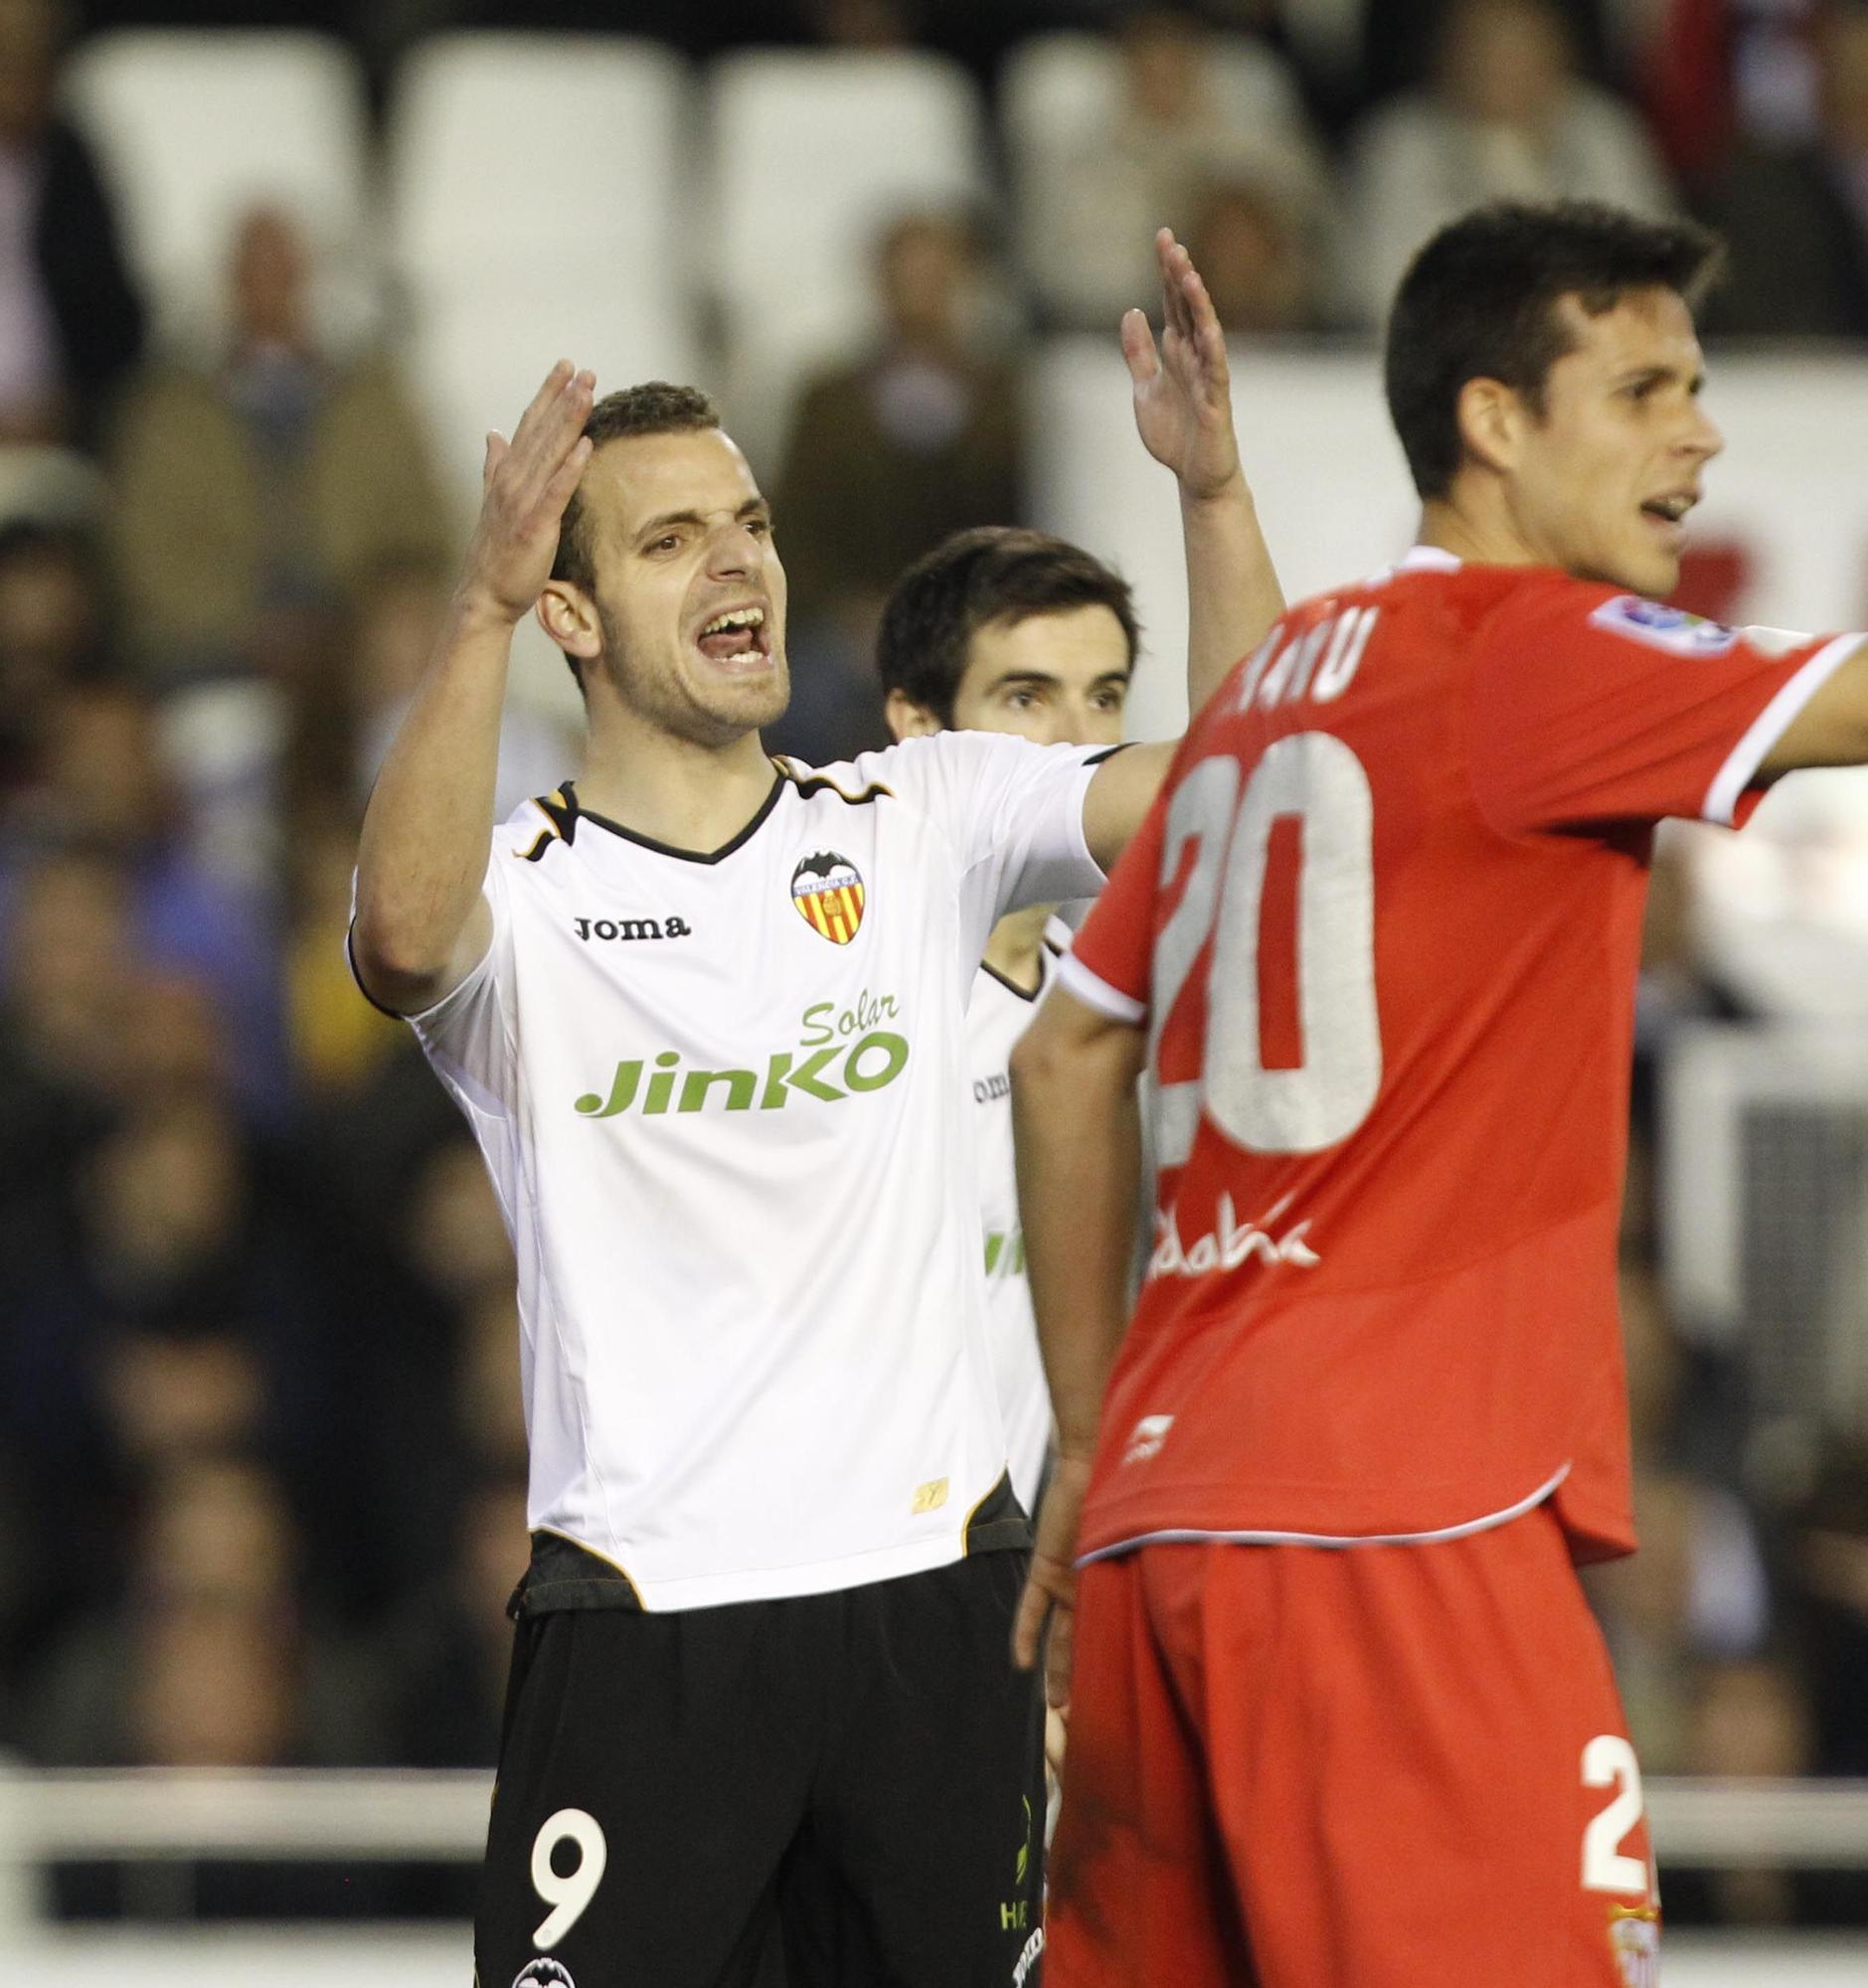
1589 708
467 1034
1110 965
1014 811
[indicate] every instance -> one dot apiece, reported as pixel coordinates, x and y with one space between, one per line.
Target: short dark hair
655 407
1478 302
973 579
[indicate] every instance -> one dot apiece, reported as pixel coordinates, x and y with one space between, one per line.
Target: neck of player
1015 951
1477 528
683 792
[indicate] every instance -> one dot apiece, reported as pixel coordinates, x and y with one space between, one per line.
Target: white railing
398 1815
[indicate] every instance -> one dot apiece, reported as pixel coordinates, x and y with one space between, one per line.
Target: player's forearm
1233 592
1079 1157
429 822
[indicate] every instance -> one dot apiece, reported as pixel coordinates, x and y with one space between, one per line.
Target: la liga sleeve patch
1670 629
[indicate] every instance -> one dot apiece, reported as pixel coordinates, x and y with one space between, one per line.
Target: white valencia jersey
722 1098
999 1014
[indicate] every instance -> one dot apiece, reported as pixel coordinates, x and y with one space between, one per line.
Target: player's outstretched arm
1184 413
1831 729
421 923
1079 1143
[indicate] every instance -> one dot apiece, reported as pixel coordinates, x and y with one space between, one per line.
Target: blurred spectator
103 785
51 633
212 1660
1829 1572
1505 117
1796 216
399 611
1261 269
1698 1587
447 1652
1192 108
860 24
489 1410
913 439
335 1038
251 495
67 995
71 322
1750 1721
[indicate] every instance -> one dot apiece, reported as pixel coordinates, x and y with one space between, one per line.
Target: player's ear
908 720
569 616
1492 422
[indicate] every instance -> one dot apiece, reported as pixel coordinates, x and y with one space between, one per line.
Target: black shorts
831 1789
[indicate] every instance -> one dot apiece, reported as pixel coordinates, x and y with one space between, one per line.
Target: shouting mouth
735 638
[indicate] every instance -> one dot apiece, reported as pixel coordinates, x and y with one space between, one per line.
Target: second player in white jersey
999 1013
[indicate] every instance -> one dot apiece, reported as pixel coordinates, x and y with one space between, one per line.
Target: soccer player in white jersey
704 1013
1005 630
1002 629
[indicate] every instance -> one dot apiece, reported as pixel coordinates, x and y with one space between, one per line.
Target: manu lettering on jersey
1318 661
607 929
1230 1244
840 1062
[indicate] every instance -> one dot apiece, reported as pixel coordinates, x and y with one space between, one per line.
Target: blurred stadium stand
810 156
196 128
538 203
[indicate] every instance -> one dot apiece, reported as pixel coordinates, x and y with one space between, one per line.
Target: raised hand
1183 392
526 484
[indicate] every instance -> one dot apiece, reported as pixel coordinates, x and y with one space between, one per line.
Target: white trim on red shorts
1194 1534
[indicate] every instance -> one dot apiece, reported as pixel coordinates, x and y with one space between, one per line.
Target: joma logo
607 929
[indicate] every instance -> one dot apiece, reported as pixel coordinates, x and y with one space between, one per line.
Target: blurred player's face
1601 483
690 593
1057 679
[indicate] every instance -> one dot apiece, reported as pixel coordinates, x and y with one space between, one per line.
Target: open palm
1183 392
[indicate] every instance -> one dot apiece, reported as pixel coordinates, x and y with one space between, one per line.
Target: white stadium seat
538 189
812 154
526 148
196 127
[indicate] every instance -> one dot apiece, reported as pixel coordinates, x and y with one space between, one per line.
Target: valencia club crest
827 890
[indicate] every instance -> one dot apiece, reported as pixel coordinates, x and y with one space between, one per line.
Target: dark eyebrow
754 507
1660 376
1027 679
668 518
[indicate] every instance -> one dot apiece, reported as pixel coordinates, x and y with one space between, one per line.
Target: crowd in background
261 1453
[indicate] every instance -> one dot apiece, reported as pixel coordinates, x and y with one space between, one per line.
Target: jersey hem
1276 1537
709 1591
1771 724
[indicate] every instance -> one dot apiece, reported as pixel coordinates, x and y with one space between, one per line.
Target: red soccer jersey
1383 926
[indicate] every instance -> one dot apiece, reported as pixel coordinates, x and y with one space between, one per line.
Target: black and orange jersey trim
821 783
560 809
